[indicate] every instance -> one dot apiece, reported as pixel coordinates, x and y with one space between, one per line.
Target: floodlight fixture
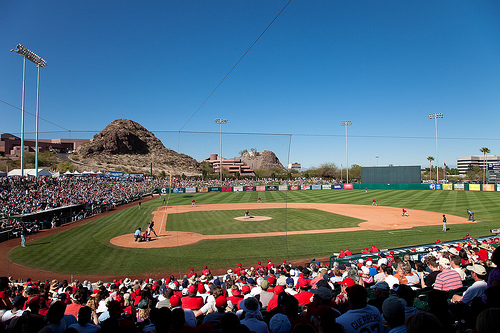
30 55
435 115
346 123
39 62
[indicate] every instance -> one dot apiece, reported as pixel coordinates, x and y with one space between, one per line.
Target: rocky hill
263 160
127 146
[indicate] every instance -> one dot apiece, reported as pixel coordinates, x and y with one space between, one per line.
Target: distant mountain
263 160
125 145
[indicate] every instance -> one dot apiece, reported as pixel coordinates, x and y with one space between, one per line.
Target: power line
284 134
244 54
48 121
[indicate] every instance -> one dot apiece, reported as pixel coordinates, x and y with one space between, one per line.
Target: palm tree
484 150
430 159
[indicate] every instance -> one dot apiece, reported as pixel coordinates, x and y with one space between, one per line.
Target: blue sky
384 65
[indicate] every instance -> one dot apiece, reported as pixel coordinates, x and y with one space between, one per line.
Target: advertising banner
178 190
326 187
435 187
348 187
315 187
474 187
305 187
261 188
249 188
459 187
164 190
238 189
113 174
203 189
283 188
214 189
489 187
136 175
227 189
294 187
337 187
447 187
439 187
190 189
493 167
271 188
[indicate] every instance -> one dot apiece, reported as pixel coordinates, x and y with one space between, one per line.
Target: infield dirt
375 218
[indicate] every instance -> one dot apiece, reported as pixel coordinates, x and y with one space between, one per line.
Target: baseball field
296 226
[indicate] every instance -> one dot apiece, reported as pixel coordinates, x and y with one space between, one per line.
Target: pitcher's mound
253 218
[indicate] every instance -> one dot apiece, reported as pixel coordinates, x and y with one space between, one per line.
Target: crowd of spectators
443 288
192 182
24 195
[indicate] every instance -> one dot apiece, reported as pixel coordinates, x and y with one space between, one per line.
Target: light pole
345 124
39 62
435 116
221 122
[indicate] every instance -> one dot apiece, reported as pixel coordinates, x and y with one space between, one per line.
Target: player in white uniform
361 317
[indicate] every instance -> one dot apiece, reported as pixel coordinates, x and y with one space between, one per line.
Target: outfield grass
86 249
291 219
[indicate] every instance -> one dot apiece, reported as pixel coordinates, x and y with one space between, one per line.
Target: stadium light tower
435 116
39 62
221 122
345 124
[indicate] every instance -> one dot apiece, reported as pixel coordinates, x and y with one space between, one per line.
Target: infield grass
86 249
223 222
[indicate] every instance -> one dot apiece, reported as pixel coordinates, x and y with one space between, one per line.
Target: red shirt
192 302
304 297
72 309
348 253
235 300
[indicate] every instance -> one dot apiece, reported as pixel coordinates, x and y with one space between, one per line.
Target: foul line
393 232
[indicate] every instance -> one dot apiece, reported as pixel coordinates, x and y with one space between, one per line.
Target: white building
463 163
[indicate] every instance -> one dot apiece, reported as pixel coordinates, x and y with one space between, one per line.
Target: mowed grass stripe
223 222
86 249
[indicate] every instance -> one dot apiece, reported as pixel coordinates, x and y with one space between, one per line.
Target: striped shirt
448 279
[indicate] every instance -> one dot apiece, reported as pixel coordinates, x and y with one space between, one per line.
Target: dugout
391 175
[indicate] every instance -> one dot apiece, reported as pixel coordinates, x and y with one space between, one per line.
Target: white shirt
367 319
8 315
391 280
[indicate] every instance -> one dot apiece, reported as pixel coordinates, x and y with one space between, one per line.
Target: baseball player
150 228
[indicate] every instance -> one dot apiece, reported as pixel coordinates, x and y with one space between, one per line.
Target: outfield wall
314 187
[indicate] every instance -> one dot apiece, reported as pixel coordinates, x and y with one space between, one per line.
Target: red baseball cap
278 289
348 282
175 301
245 289
304 283
219 302
192 289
